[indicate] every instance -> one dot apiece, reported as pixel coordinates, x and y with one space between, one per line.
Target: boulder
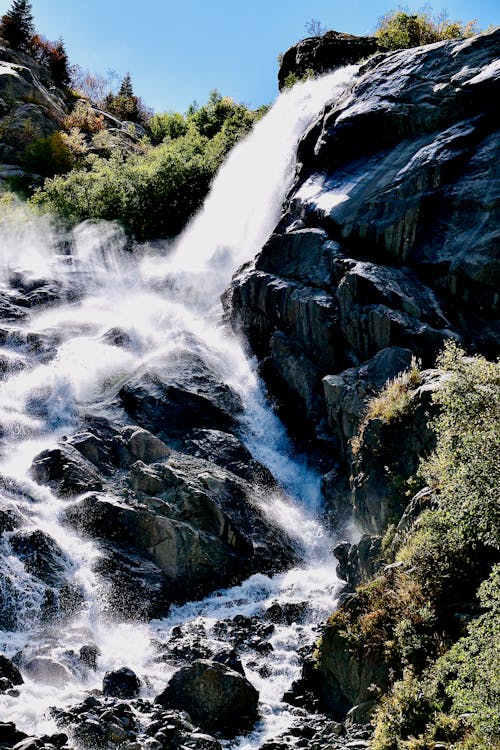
144 446
182 394
121 683
215 696
41 555
9 676
48 671
319 54
65 471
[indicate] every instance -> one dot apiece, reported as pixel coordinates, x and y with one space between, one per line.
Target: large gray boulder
215 696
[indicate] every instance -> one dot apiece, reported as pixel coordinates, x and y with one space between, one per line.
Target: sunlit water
165 299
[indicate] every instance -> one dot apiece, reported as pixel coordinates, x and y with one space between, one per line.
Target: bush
84 118
394 400
167 126
48 156
155 193
399 29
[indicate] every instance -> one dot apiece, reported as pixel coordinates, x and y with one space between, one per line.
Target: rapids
165 296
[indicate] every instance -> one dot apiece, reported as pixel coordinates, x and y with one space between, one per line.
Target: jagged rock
121 683
346 395
216 697
183 394
388 453
65 471
320 54
385 243
227 451
41 556
359 562
9 676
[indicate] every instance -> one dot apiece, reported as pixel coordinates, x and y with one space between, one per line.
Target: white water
165 300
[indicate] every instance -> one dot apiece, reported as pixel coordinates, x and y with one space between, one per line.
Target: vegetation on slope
400 29
150 173
152 193
432 620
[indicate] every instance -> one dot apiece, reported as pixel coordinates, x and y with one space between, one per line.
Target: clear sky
177 51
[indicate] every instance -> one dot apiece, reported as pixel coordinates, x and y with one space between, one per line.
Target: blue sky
177 51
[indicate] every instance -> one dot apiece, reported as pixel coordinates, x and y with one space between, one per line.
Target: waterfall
164 298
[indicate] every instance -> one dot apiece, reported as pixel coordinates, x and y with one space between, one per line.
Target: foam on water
163 299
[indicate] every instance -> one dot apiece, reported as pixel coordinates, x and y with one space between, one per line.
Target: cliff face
388 244
30 105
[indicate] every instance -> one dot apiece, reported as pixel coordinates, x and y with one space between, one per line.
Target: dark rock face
9 675
323 53
65 471
387 247
121 683
216 697
184 395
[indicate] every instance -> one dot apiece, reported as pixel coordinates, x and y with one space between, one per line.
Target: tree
59 64
17 27
315 28
126 88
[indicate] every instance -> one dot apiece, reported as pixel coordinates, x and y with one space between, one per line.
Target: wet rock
94 449
144 446
121 683
286 613
41 556
227 451
216 697
387 247
89 655
137 588
230 658
9 734
184 394
48 671
9 676
65 471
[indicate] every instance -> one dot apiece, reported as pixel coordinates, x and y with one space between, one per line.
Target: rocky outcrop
30 105
319 54
215 696
387 247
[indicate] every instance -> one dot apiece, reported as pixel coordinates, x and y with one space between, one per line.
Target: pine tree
59 64
126 88
17 25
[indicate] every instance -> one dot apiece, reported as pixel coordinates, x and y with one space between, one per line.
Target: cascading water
59 364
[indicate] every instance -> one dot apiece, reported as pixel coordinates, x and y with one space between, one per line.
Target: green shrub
167 126
152 194
400 29
48 156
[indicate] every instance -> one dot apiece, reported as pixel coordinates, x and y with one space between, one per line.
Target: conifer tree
126 88
17 27
59 64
